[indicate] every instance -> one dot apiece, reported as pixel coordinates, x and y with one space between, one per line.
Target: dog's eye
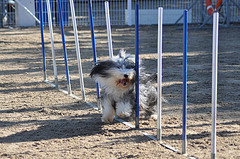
130 66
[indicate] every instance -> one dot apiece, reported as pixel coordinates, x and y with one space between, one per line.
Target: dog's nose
125 75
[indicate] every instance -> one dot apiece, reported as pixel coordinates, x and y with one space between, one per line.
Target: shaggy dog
117 77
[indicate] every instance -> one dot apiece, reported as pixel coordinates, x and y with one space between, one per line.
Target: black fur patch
102 68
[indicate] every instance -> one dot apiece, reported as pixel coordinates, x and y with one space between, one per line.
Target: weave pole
214 82
110 46
184 116
159 78
94 49
77 49
52 42
42 39
64 47
137 64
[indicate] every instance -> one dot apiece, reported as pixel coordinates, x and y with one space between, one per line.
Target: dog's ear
96 69
101 68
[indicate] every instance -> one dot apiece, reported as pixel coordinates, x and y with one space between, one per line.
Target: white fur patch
123 109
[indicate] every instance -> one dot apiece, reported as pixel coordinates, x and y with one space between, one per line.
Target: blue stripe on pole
42 36
93 40
185 31
137 58
65 12
63 42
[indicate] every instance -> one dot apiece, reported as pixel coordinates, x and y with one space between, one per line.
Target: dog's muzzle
124 82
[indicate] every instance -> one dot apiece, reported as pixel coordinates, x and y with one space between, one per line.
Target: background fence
120 11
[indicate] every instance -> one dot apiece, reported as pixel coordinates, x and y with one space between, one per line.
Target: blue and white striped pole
184 133
137 64
94 48
64 47
42 38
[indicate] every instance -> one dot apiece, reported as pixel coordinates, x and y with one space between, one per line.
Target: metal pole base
83 96
213 156
159 134
69 89
184 146
56 82
45 76
99 104
137 122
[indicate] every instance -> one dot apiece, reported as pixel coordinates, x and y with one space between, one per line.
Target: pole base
159 134
45 76
99 104
83 96
69 89
56 82
184 146
213 156
137 122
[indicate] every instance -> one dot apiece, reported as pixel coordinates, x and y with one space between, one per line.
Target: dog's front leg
123 109
108 111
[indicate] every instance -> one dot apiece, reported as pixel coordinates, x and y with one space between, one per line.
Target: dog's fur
117 77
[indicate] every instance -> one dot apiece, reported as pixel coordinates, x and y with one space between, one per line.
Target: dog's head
116 73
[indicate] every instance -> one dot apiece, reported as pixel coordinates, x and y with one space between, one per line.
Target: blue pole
42 38
137 64
64 46
184 133
93 45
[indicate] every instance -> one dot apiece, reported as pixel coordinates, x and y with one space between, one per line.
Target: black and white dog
117 77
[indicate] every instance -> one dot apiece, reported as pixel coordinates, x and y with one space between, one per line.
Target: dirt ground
39 121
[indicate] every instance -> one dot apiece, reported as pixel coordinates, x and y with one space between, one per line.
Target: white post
129 12
214 82
110 47
159 101
52 42
77 49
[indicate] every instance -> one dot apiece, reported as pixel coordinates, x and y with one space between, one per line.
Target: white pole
27 10
159 102
110 47
52 42
214 82
129 11
77 49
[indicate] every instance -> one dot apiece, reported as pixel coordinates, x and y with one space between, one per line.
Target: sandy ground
39 121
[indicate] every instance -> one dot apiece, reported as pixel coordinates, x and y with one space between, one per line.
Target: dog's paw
107 119
154 117
151 117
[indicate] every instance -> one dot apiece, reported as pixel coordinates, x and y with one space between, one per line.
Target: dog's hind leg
108 110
